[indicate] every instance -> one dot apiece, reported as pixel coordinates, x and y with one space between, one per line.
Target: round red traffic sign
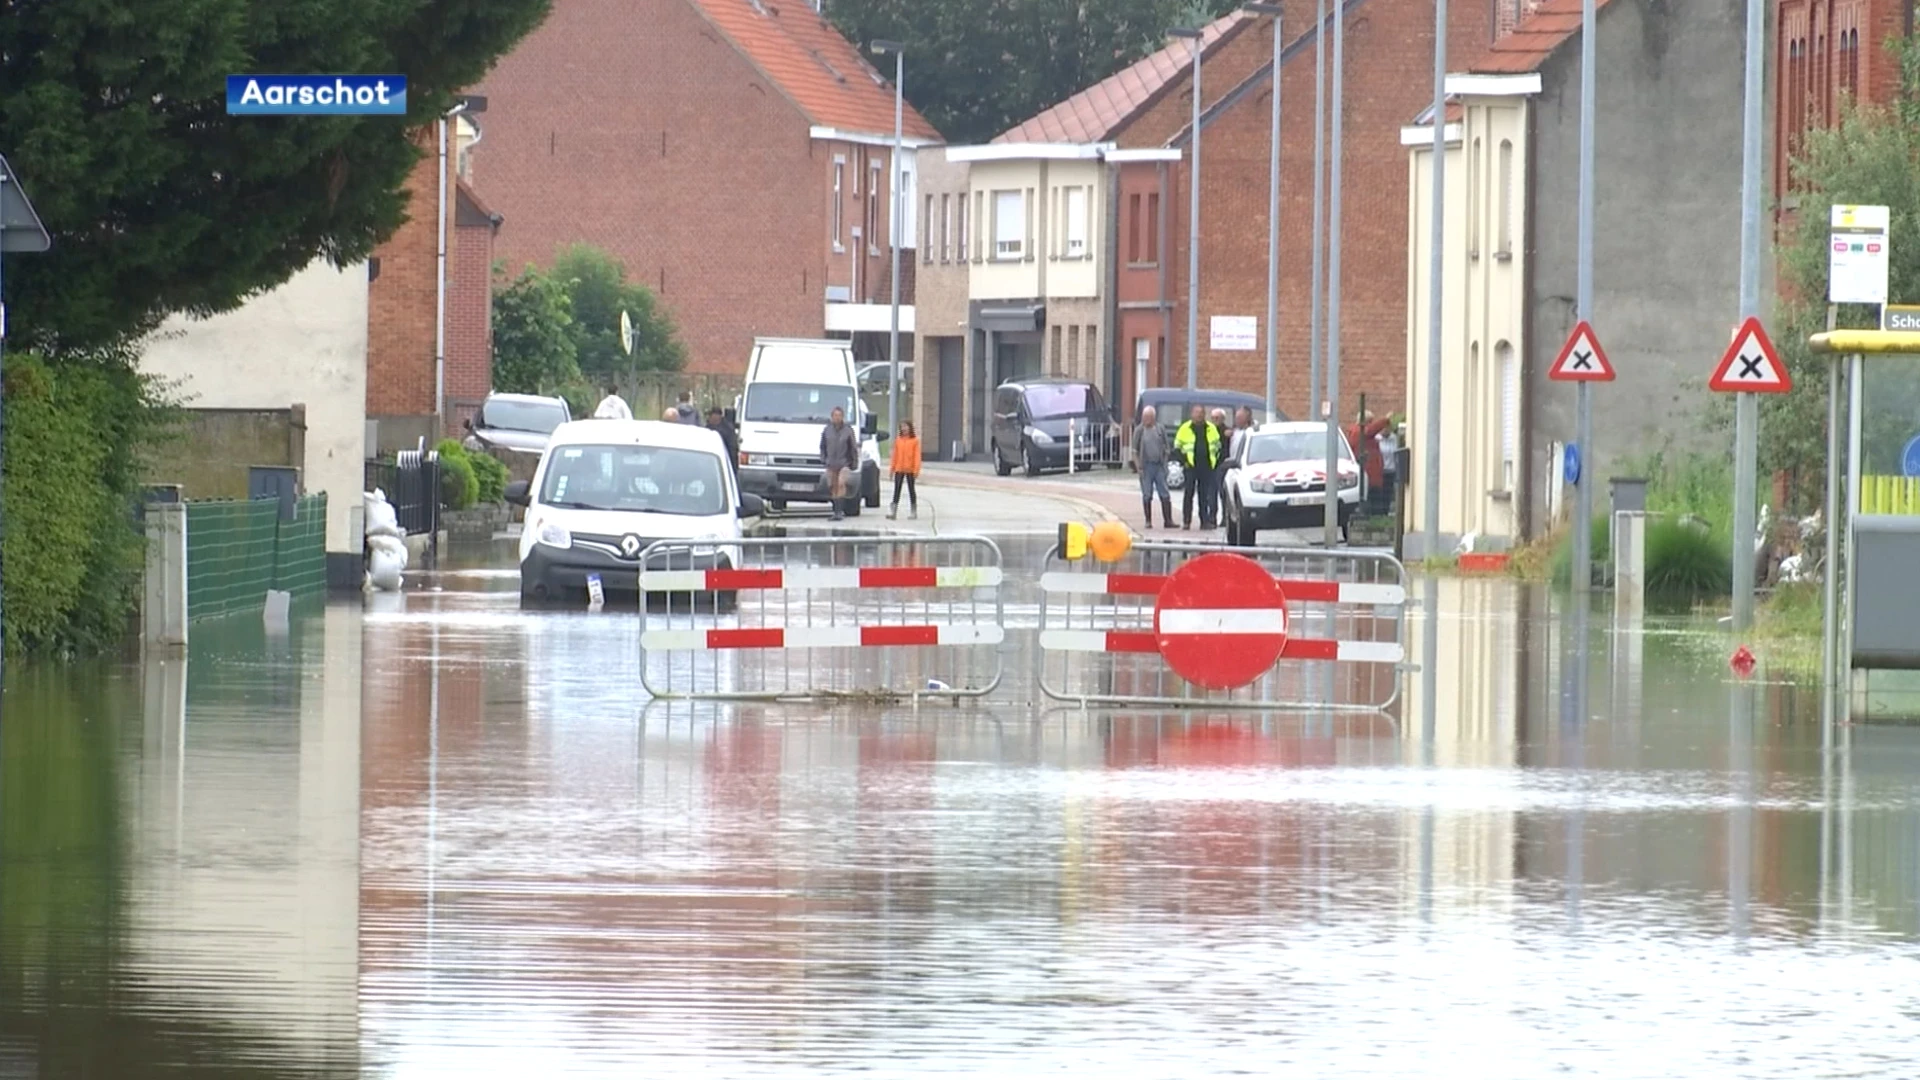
1221 621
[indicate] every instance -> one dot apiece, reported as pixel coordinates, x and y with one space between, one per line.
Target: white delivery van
608 488
792 385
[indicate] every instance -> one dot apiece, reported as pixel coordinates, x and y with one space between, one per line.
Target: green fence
238 549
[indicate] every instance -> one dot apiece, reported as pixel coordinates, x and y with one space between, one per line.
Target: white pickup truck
792 385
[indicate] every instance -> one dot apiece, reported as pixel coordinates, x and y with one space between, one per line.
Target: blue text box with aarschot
316 95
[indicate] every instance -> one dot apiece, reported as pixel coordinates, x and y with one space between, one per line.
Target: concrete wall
304 343
1666 228
213 453
940 289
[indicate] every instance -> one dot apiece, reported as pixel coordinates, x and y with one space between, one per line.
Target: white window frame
873 208
926 251
1505 236
1075 245
839 202
1009 229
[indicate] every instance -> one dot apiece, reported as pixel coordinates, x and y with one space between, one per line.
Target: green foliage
73 557
1872 156
597 285
113 111
533 350
1599 542
1686 562
459 486
491 475
1688 484
977 67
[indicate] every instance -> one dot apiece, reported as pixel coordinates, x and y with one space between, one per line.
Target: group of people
614 407
1202 444
840 456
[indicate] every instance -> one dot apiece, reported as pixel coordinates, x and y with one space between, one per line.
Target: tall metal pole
1318 287
1746 412
1436 282
899 224
1333 272
1273 229
1583 302
1193 234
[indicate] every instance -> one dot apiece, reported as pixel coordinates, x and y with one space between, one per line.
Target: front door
951 358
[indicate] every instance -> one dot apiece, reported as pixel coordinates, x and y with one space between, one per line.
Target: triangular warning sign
1751 364
1581 358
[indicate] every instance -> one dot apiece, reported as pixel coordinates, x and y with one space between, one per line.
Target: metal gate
1345 619
877 618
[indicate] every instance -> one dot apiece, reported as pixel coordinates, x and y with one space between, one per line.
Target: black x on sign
1751 365
1581 358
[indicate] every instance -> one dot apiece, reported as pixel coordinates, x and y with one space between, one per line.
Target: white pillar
1629 563
163 615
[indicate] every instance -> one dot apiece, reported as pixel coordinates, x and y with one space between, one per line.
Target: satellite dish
626 332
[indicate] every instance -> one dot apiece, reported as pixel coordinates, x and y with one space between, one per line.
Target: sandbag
386 560
381 518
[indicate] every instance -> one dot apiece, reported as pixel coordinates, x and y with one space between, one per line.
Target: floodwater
433 836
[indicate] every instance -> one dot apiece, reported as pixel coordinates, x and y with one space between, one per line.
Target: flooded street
433 835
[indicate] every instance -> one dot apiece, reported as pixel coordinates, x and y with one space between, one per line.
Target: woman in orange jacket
906 470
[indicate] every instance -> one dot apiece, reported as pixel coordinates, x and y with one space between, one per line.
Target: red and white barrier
818 578
1332 592
819 637
1146 641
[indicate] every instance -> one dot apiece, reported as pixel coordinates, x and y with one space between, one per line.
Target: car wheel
1249 536
1028 462
1001 466
726 603
870 484
1233 531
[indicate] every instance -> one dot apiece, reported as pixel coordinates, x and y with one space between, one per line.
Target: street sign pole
1583 303
20 230
1316 290
1334 230
1436 270
1746 414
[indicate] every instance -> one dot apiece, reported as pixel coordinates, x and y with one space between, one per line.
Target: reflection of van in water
792 386
608 488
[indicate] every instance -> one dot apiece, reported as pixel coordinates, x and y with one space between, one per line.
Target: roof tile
1534 40
1096 113
824 74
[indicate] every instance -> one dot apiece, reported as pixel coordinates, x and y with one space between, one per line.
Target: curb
958 479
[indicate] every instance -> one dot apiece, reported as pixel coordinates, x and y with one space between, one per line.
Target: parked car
609 488
1031 421
1172 406
517 423
1280 482
872 377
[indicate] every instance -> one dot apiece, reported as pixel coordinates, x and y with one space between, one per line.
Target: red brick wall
634 125
1387 43
469 320
401 302
1815 69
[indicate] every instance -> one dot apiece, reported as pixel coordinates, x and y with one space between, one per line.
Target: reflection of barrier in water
1871 655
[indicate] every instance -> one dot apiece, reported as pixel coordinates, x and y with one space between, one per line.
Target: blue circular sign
1571 463
1910 458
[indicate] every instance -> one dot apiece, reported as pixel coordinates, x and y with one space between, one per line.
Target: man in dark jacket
688 414
717 420
840 454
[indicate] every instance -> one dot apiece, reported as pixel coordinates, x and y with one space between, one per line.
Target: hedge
74 555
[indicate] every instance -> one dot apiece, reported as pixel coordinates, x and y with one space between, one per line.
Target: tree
977 67
114 113
533 345
1872 157
597 285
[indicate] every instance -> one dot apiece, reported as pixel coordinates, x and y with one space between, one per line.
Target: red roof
819 70
1098 112
1533 40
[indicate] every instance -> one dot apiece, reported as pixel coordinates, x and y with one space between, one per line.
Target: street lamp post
899 52
1273 210
1334 234
1193 219
1436 290
20 230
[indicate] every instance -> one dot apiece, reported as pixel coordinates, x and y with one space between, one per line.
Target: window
1059 401
961 253
873 210
1053 354
839 200
500 414
1073 349
1093 355
1506 197
1473 201
1509 414
1133 227
927 252
1076 222
1009 225
907 233
979 215
795 403
1153 228
946 226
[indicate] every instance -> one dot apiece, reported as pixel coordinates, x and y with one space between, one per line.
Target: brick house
733 154
1665 257
403 303
1825 52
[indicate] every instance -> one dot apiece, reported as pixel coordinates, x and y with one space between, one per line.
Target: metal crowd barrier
1344 626
1098 444
877 618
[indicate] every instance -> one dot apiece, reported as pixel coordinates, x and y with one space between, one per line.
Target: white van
608 488
792 385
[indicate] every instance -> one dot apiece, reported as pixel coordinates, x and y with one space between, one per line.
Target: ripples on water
474 854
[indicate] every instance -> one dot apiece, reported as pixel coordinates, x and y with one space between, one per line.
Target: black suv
1031 422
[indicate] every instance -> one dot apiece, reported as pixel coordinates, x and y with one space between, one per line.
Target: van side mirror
732 415
869 424
519 493
468 423
751 505
882 436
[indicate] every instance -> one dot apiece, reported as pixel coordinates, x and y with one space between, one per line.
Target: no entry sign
1221 621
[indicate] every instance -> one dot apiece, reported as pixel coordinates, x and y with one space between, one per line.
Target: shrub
459 487
1686 562
491 474
73 555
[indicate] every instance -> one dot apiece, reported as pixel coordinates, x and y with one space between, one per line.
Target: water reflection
441 837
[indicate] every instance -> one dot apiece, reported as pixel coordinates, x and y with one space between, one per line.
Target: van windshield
646 479
795 403
1059 401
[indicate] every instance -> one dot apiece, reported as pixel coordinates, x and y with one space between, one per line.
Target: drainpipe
440 280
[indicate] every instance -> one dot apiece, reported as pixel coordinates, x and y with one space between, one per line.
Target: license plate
1306 500
796 487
